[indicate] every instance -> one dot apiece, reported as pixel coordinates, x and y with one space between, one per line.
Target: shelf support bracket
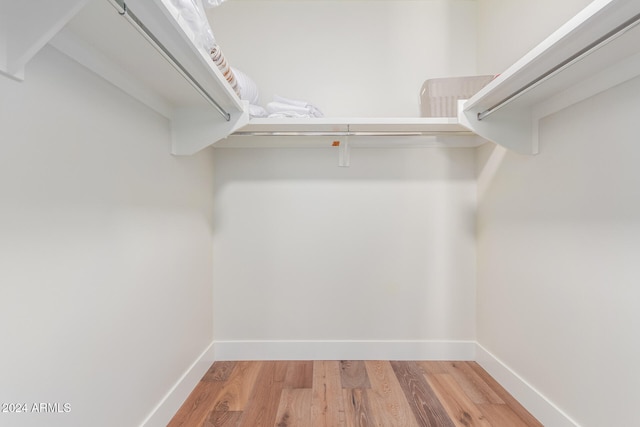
26 27
344 152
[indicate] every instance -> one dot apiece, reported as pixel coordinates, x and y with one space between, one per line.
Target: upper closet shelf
143 49
140 47
597 49
357 132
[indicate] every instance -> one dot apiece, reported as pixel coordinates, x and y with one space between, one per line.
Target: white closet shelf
597 49
359 132
145 52
156 62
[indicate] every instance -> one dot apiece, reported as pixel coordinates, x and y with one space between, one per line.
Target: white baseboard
538 405
345 350
175 397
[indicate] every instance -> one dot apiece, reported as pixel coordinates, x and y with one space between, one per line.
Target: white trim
536 403
175 397
345 350
539 406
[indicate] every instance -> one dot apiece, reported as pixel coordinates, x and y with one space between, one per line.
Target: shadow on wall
411 164
490 157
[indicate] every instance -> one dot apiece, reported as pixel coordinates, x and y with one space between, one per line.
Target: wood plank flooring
349 393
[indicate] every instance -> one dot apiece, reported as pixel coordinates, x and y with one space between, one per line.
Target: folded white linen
290 114
257 111
279 107
213 3
192 14
296 105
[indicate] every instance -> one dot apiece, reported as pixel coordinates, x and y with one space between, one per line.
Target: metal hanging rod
608 37
127 13
345 133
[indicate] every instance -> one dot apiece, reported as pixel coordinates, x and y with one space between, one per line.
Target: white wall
558 261
308 251
558 258
351 58
508 29
105 250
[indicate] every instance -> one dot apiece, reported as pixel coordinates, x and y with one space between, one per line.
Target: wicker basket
439 97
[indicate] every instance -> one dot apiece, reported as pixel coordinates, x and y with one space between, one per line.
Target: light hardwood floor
350 394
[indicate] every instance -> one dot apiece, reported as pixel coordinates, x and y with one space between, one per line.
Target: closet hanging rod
346 133
608 37
127 13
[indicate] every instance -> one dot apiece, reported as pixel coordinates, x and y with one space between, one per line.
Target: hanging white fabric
192 13
213 3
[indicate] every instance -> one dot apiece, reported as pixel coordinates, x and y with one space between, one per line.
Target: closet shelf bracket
344 152
26 27
594 51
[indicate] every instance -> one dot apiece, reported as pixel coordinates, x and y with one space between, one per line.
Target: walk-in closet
390 204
